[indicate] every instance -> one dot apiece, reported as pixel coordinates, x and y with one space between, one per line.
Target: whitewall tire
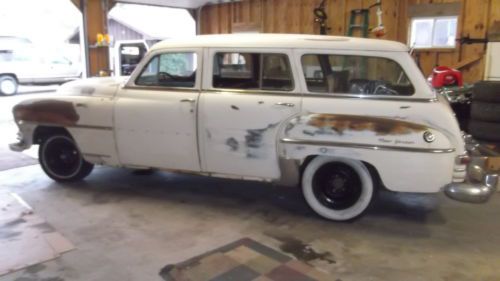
337 188
8 85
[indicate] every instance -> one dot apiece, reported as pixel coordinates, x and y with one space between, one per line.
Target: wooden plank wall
295 16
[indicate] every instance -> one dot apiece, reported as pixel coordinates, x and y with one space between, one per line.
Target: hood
99 86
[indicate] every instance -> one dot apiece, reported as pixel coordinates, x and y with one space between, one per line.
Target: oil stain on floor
301 250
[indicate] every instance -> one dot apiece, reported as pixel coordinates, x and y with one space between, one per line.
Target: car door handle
287 104
188 100
81 104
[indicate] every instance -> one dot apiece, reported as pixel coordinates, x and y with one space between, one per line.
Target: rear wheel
337 188
8 85
61 160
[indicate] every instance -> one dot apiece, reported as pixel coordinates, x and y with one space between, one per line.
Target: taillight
463 159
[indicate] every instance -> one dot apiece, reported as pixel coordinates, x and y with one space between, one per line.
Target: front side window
252 71
170 70
344 74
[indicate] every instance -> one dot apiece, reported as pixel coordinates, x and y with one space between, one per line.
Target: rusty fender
53 112
380 126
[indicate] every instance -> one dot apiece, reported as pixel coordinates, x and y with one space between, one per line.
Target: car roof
269 40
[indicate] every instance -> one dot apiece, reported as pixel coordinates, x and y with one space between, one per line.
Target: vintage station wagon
338 116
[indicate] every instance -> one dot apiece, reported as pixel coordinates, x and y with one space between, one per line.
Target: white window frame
434 19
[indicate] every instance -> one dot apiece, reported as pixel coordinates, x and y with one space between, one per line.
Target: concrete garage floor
128 227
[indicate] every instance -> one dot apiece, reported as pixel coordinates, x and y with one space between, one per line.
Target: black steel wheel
61 160
337 186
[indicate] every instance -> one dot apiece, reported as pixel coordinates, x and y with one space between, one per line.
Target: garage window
252 71
176 70
433 32
343 74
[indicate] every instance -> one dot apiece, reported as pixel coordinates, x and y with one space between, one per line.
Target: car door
247 96
155 113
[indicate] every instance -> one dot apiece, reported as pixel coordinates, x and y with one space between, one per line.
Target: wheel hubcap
62 157
8 87
337 186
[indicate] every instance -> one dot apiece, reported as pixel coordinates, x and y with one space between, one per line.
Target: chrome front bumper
18 146
22 143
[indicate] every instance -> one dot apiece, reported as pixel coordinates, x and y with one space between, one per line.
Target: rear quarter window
346 74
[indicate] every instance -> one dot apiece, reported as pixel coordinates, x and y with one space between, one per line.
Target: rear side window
355 75
170 70
252 71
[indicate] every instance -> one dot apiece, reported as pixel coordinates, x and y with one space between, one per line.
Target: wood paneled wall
296 16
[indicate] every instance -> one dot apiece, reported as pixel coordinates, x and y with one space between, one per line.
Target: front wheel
8 85
61 160
337 188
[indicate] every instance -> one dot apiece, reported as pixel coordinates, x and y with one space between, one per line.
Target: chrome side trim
91 127
369 97
366 146
253 92
78 126
96 155
159 88
280 93
319 95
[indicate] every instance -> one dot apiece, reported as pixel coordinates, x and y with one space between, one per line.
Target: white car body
260 135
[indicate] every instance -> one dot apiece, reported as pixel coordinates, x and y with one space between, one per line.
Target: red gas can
443 76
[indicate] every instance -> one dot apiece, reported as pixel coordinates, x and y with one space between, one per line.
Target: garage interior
122 224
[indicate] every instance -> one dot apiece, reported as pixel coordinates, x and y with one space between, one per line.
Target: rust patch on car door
47 111
379 125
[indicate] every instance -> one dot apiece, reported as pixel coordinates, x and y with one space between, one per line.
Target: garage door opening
35 44
133 29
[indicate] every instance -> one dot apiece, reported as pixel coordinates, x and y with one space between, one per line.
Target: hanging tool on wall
467 40
378 30
365 16
321 17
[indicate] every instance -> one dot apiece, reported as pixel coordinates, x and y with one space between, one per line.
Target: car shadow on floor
243 198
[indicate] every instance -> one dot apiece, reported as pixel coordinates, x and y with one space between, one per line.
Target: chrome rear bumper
473 192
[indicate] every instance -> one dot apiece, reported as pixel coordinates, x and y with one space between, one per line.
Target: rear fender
397 149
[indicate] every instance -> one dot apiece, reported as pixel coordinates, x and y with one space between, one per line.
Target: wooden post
95 20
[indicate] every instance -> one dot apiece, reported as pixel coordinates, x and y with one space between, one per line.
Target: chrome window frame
130 84
423 91
290 72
